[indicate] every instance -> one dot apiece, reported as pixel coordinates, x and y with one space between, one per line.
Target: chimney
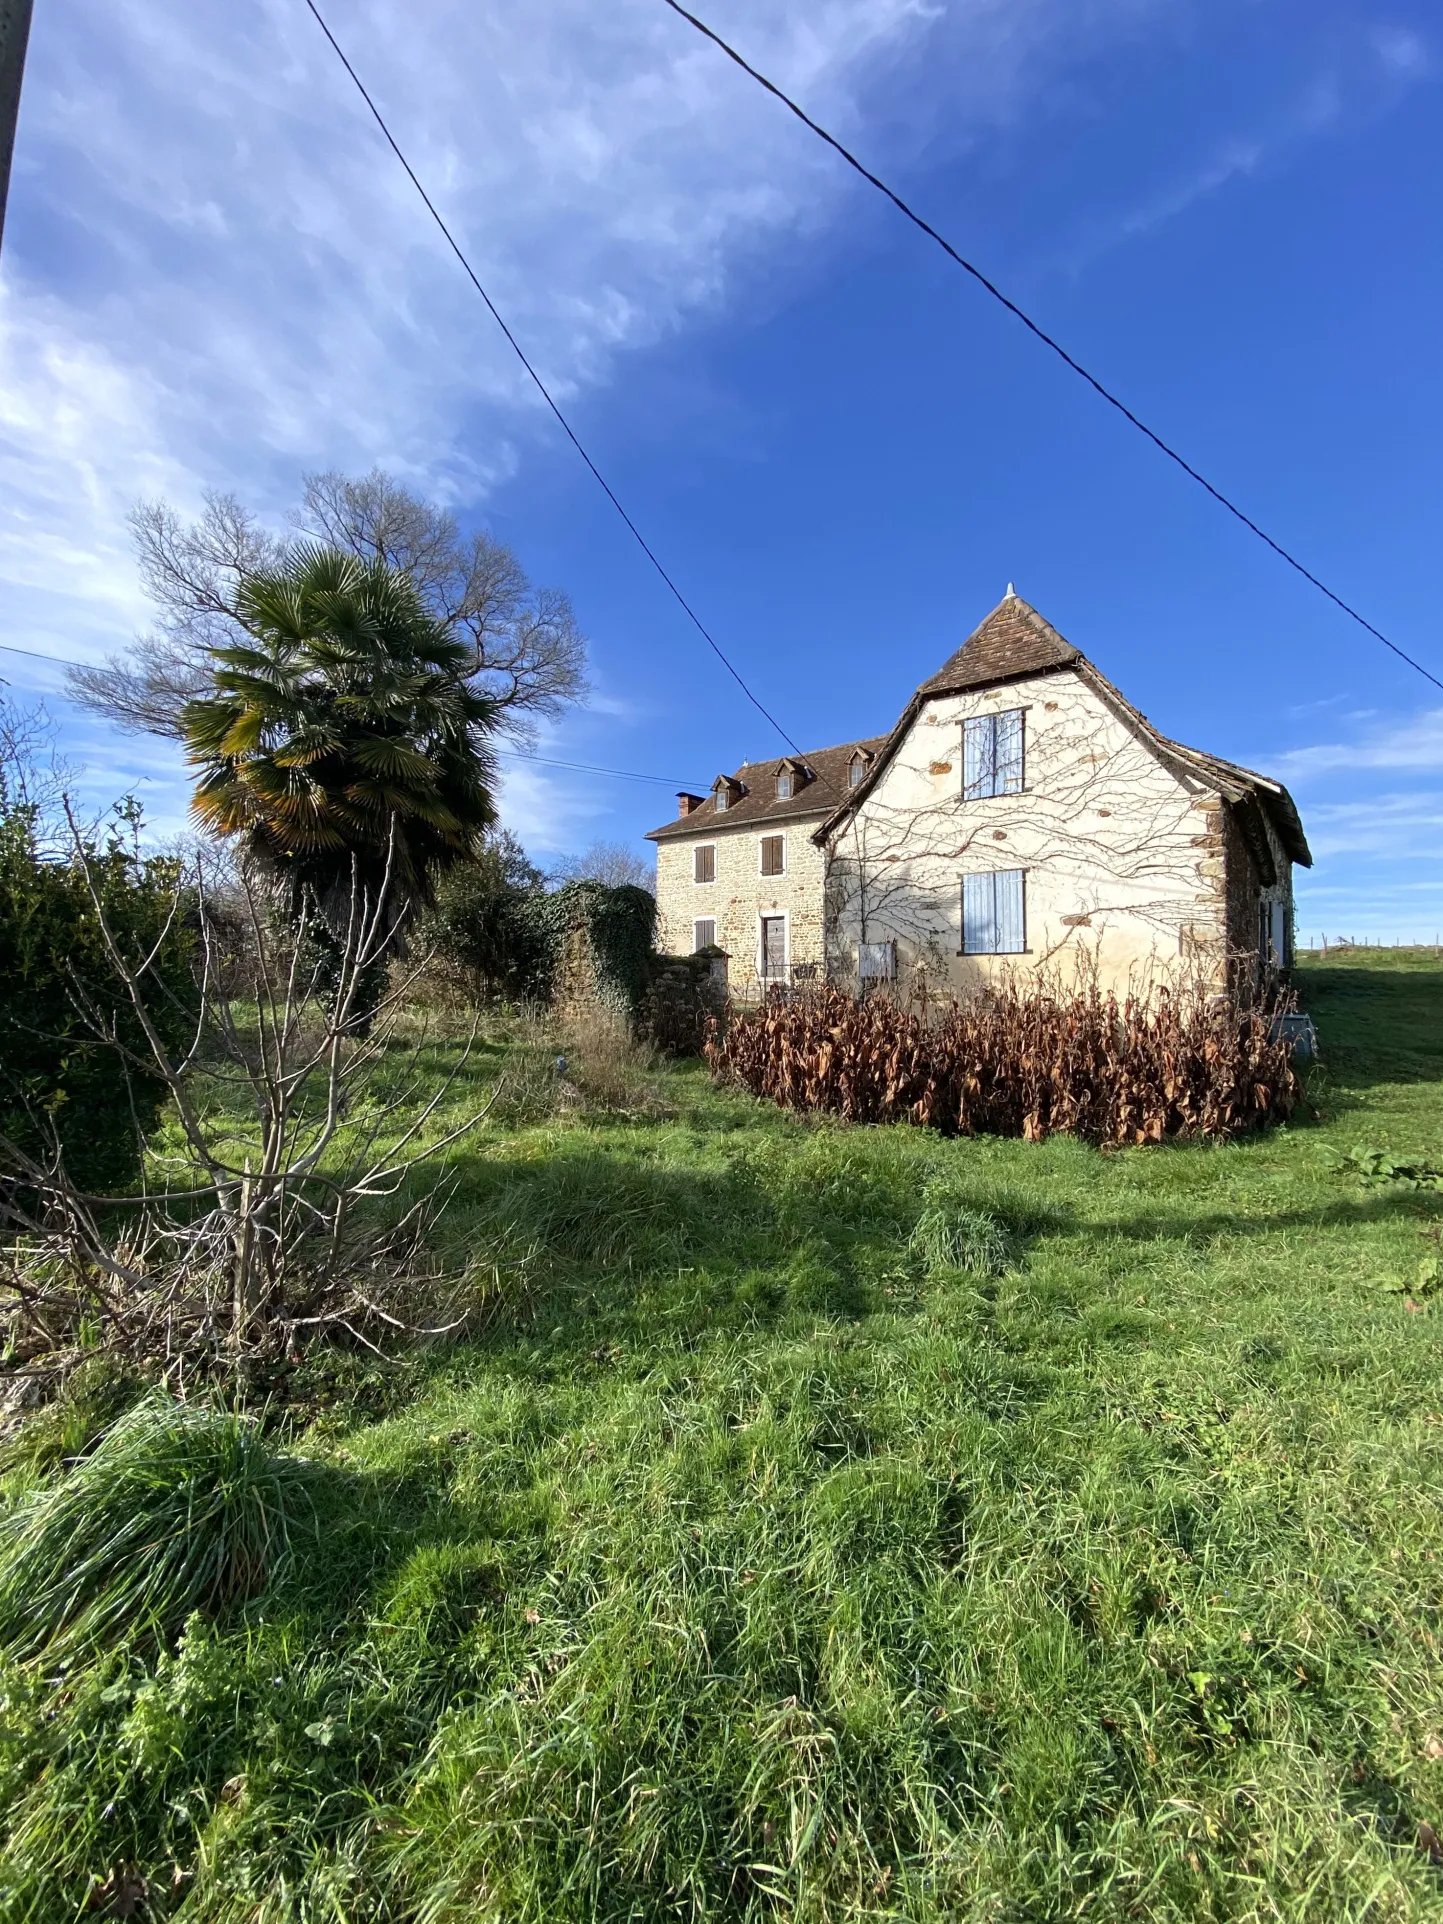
686 803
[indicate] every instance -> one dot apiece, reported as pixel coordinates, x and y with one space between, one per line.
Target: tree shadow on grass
603 1244
1375 1025
1397 1206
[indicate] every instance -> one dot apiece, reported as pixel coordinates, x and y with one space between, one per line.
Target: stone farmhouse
1021 815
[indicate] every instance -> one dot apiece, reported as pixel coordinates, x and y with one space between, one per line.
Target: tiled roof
759 803
1014 640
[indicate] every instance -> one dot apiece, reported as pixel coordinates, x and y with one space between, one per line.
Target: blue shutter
1011 921
979 757
994 913
1008 761
979 917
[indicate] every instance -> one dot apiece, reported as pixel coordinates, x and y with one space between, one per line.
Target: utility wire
545 392
506 754
1042 335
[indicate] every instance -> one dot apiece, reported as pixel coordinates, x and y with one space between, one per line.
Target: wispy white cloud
1403 51
1414 743
216 275
1387 61
1403 827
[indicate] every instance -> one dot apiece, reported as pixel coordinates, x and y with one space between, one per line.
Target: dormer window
792 777
725 791
721 800
857 769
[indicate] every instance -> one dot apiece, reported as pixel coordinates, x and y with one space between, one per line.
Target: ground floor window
877 961
1272 934
994 913
773 948
703 935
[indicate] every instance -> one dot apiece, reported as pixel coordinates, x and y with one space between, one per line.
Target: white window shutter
1011 930
1009 754
979 757
877 961
979 920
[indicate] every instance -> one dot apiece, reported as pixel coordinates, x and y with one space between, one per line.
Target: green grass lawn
754 1567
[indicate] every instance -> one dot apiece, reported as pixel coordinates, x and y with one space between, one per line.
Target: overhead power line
506 754
545 392
1042 335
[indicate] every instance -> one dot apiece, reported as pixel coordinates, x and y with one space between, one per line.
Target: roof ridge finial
1011 592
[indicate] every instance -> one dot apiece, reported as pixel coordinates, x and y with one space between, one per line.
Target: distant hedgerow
1018 1062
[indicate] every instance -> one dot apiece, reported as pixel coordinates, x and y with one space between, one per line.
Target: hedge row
1018 1063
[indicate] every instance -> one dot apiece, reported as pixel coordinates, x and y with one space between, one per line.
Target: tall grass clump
179 1507
950 1235
1018 1062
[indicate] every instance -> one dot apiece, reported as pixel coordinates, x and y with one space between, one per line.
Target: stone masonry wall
741 895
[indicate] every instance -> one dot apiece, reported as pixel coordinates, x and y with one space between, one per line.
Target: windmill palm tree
343 745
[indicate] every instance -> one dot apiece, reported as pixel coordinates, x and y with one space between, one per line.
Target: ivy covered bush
515 938
59 1078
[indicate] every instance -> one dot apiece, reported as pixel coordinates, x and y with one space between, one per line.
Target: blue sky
215 277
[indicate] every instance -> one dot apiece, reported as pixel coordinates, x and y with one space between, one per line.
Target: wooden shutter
994 913
703 935
774 859
1011 919
979 920
877 961
1007 766
979 757
705 866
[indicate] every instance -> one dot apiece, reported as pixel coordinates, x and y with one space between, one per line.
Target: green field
756 1564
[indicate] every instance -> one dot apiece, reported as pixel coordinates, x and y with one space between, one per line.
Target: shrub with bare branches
1018 1062
280 1205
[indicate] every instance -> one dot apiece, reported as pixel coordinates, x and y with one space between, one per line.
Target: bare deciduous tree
530 654
611 863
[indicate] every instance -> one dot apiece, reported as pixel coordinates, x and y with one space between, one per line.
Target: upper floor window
784 787
992 755
774 855
720 797
856 771
994 913
704 863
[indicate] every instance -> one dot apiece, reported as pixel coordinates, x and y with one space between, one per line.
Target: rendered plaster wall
741 895
1125 862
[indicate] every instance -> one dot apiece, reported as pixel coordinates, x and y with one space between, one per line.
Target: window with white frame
774 855
703 935
994 913
856 772
704 863
992 755
772 948
784 786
